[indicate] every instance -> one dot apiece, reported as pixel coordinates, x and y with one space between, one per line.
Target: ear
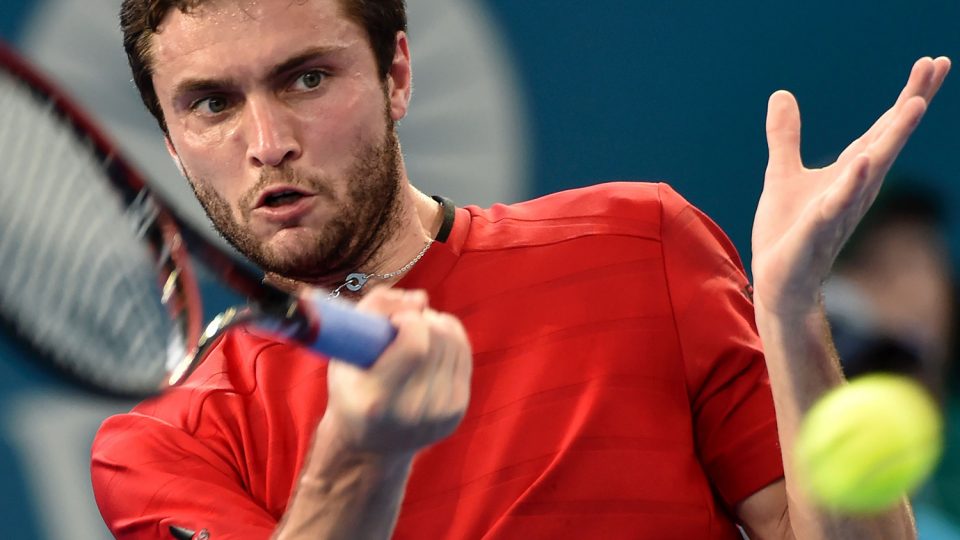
174 155
400 79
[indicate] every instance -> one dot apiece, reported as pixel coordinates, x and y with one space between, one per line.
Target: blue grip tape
351 335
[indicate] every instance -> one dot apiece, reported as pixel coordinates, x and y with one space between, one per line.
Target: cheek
333 132
208 137
212 158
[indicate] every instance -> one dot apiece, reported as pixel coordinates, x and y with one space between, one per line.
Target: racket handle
350 335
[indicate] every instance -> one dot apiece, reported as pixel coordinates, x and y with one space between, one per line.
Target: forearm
345 494
803 365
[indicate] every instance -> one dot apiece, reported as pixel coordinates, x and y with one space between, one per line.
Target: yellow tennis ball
865 445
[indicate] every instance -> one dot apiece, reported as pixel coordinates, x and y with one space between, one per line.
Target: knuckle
449 325
418 341
379 298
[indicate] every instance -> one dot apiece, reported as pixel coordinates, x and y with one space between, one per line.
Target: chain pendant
356 281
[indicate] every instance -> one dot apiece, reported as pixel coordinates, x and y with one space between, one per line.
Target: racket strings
78 296
78 280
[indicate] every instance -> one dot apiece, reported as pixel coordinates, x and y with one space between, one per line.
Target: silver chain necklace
357 280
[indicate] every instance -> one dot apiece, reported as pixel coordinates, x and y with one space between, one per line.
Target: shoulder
253 400
617 208
632 200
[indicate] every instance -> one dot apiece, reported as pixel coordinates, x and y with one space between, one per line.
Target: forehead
219 32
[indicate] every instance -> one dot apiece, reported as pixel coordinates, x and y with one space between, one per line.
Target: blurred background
515 99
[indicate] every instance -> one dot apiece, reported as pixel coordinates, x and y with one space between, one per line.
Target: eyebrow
199 85
303 57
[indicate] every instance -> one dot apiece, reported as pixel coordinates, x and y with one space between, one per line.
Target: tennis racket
95 267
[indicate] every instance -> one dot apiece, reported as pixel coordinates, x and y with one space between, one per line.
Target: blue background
677 90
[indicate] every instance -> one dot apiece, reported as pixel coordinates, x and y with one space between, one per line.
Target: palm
805 215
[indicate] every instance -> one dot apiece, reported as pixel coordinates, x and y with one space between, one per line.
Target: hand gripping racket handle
348 334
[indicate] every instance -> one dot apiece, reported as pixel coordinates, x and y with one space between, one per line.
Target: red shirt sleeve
220 452
169 478
734 419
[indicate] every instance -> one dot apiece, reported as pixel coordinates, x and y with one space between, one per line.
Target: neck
419 221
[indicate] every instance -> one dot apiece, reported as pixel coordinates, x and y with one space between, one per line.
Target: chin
295 266
290 243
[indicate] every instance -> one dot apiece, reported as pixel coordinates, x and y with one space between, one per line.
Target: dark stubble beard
357 230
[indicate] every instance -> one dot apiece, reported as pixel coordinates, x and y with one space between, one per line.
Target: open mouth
281 196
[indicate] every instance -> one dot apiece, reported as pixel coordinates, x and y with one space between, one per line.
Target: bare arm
781 510
376 420
345 494
803 219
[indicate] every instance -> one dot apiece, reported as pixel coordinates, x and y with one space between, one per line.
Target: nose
270 132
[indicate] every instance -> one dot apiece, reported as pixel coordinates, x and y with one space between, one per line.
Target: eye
309 80
210 105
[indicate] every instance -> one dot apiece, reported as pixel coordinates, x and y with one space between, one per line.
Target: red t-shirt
619 391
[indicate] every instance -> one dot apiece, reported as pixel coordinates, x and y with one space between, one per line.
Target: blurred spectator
890 300
891 306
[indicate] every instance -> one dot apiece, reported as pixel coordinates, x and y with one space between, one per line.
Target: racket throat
289 321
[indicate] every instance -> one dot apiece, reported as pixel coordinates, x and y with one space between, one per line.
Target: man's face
278 116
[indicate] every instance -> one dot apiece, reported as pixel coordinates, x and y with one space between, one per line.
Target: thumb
783 133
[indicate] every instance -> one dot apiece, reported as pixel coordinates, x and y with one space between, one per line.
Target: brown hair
139 20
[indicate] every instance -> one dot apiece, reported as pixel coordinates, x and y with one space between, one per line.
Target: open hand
805 215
